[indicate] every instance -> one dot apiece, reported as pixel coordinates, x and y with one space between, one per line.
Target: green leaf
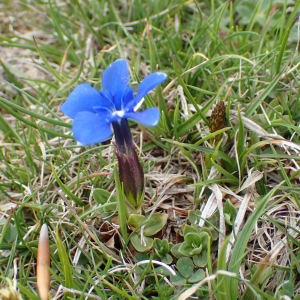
101 197
135 220
287 288
197 276
153 225
28 293
167 259
178 279
186 250
194 216
189 229
224 172
54 73
201 259
283 44
199 114
185 266
240 137
23 176
10 233
188 124
163 271
136 243
192 239
156 222
216 180
223 286
175 251
230 211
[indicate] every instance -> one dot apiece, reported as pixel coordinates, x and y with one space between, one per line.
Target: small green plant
211 224
194 246
149 227
162 249
164 291
230 212
186 273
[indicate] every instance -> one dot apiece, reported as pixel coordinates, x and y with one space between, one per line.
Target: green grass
244 53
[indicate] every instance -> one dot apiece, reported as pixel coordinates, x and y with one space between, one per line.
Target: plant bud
43 257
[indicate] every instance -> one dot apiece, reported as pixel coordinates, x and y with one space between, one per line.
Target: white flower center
120 113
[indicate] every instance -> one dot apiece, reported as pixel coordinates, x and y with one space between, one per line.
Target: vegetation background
242 185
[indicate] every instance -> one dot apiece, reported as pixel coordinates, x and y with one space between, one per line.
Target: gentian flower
96 113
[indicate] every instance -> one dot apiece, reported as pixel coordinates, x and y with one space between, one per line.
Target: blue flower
94 111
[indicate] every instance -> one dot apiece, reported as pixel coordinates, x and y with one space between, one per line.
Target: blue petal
148 84
83 98
148 117
90 128
115 80
127 96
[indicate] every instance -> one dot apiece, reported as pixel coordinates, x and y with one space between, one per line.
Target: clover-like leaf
194 216
162 270
186 250
214 235
196 251
200 260
204 236
206 229
185 266
167 259
187 229
197 276
175 251
177 279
